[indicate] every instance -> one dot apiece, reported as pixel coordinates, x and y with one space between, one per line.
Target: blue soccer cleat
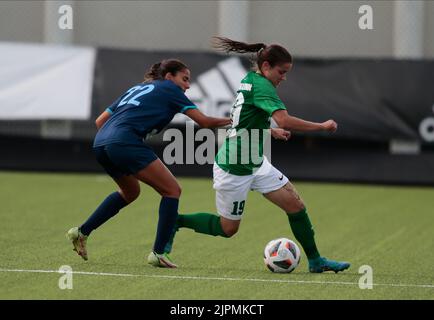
322 264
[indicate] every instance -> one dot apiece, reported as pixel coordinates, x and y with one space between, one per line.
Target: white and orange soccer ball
281 255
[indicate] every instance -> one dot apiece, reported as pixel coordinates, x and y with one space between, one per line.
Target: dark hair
274 54
159 70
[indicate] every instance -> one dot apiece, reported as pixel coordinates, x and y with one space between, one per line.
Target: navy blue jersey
144 109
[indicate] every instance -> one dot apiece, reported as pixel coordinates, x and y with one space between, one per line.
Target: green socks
208 223
202 222
303 232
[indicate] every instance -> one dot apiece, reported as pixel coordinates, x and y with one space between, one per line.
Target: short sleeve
266 98
181 103
110 109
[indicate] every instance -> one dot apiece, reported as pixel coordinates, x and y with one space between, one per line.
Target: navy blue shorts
120 160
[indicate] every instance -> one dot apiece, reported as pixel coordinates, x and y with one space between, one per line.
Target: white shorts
232 190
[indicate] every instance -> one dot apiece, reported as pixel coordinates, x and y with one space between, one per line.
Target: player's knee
130 195
172 192
178 190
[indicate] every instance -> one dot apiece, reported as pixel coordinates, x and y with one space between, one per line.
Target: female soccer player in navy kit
120 148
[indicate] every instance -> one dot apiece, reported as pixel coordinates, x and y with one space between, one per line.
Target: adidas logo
214 91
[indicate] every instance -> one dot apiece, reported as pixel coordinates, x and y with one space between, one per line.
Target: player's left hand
330 125
280 134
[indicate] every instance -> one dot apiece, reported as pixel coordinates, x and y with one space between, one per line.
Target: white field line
431 286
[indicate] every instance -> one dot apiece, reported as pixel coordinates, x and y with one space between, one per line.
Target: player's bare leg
230 227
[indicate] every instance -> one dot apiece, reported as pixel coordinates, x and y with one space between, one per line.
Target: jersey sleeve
111 108
266 98
181 103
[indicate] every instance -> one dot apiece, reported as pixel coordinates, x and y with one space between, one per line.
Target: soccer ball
281 255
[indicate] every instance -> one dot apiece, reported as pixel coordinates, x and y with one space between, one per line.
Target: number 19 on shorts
238 208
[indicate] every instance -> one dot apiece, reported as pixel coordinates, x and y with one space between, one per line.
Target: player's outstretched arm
205 121
285 121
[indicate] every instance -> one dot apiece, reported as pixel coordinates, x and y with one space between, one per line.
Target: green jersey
242 150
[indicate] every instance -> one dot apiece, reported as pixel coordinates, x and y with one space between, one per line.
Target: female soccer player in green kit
257 101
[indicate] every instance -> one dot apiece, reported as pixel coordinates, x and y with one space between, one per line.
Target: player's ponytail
159 70
153 73
274 54
228 45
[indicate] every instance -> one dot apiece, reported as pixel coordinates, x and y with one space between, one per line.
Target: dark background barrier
302 158
371 99
375 103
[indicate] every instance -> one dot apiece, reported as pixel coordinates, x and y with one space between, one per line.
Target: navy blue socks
107 209
166 222
114 202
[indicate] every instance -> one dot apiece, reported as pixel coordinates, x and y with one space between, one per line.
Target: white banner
40 81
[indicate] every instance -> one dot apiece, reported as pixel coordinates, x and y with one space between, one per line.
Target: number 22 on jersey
142 90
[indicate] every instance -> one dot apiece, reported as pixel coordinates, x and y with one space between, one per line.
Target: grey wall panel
429 29
22 21
323 28
307 28
184 25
